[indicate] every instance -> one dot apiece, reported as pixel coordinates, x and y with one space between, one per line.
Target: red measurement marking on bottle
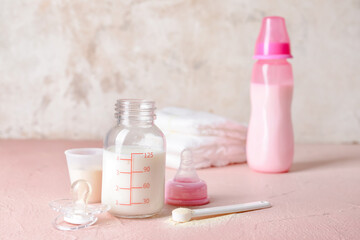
118 172
125 159
131 164
146 201
131 170
121 204
149 155
145 185
119 188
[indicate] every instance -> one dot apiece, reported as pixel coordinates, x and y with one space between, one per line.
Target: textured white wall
64 63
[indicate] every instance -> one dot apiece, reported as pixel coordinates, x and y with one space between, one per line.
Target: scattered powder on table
206 221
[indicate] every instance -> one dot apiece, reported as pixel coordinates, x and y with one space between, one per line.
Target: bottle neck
135 112
273 61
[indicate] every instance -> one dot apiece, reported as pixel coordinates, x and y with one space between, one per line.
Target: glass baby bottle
134 161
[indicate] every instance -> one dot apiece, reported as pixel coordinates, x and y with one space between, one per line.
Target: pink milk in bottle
270 142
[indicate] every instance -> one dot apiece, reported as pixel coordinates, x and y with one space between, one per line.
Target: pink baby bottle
270 142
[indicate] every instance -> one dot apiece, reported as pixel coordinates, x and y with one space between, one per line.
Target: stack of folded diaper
214 140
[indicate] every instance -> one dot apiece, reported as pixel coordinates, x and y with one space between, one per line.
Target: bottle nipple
273 41
186 189
186 171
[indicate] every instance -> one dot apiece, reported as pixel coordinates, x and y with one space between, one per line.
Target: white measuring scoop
186 214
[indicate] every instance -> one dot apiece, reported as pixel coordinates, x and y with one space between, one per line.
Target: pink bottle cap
186 189
273 41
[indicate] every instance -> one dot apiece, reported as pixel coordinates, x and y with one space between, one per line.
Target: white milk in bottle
133 181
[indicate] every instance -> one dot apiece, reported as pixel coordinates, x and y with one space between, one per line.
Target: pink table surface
318 199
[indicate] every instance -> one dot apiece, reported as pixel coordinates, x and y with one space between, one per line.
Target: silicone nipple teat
186 171
186 189
76 213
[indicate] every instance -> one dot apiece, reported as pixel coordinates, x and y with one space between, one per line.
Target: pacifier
76 213
186 189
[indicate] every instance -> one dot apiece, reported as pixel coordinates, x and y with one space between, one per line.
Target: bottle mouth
135 110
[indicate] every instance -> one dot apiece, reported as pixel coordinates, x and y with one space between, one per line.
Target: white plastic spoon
185 214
